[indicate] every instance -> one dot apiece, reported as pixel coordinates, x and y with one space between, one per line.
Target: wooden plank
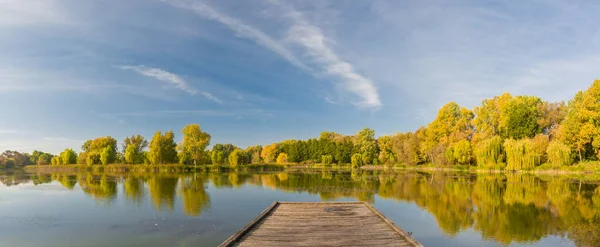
321 224
248 227
407 236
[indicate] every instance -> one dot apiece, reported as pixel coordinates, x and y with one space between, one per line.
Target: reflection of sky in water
51 215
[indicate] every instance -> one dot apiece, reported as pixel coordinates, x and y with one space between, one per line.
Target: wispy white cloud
212 97
161 75
32 12
311 37
241 29
307 36
60 139
166 76
11 131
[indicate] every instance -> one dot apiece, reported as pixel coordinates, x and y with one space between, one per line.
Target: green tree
40 158
133 149
326 160
107 156
162 148
194 144
92 150
68 157
92 158
131 156
366 145
254 153
137 141
238 157
519 117
356 160
56 160
385 145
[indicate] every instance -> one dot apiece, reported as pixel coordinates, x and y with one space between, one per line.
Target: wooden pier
321 224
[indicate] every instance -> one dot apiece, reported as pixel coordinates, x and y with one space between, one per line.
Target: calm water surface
203 209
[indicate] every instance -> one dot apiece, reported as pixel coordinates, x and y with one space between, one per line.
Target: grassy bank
153 168
582 168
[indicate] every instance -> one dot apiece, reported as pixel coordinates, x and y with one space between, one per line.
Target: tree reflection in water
507 208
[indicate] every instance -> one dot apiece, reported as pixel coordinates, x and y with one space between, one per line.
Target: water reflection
506 208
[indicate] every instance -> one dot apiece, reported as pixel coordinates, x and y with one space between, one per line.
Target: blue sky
257 72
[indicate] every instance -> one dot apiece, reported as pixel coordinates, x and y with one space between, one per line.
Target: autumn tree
92 150
386 150
460 152
282 158
559 154
269 153
162 148
489 153
580 129
406 148
487 122
451 125
194 144
551 115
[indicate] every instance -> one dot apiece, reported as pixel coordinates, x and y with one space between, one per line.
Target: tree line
504 132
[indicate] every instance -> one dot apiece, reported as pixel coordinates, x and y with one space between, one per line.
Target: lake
203 209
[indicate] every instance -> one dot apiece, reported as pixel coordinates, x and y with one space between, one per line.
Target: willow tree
521 154
489 153
194 144
460 152
559 154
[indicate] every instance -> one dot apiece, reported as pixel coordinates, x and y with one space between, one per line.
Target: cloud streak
302 33
60 139
161 75
241 30
166 76
313 40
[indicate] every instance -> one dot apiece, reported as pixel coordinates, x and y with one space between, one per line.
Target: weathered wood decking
320 224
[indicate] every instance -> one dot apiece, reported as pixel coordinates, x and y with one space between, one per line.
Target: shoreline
574 170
